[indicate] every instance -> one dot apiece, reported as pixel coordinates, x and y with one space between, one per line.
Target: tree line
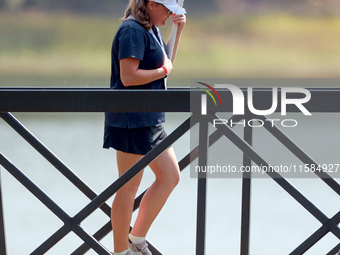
112 6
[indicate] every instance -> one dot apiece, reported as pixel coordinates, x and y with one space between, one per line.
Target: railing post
246 192
202 186
2 225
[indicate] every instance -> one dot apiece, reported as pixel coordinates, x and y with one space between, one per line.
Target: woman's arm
180 20
131 75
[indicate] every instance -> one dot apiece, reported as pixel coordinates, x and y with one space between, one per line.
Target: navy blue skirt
133 140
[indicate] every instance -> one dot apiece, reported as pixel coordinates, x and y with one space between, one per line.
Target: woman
139 60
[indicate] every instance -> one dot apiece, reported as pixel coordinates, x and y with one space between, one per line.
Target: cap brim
175 8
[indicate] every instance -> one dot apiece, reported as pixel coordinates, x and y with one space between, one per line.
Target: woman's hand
167 63
180 20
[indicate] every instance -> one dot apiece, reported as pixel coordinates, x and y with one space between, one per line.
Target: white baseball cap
172 6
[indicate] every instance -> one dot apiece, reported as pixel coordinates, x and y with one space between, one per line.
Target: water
278 223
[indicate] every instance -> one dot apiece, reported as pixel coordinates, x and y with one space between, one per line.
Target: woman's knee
171 177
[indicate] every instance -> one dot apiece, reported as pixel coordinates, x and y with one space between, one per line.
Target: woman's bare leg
167 173
122 206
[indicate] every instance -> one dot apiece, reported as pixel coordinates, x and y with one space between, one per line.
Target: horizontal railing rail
172 100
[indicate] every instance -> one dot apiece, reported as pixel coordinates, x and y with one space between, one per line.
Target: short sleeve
131 44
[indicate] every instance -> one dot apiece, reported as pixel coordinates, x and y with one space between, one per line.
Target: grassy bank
62 45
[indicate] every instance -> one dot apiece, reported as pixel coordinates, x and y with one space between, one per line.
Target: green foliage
45 44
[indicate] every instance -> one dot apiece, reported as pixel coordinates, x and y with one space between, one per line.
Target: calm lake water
278 223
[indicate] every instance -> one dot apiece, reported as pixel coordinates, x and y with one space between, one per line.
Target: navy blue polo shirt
133 41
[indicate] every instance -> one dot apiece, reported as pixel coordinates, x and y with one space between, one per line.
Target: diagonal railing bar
49 203
321 232
52 206
254 156
53 159
34 189
299 153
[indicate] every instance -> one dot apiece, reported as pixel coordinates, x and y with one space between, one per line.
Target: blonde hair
137 8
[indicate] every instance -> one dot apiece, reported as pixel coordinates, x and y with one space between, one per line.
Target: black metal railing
172 100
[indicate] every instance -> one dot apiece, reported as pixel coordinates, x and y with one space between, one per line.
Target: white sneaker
140 247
